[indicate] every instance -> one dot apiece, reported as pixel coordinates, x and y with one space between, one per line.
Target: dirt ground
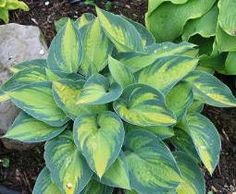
21 168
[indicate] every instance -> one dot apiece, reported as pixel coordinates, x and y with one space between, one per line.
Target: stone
18 43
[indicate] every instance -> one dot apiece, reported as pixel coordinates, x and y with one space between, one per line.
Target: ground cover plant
7 5
210 24
117 110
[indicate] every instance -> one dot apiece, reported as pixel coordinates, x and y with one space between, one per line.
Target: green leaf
96 188
65 52
167 21
144 106
153 4
168 71
84 19
15 4
120 73
37 100
183 142
230 66
204 26
227 15
40 63
68 167
100 138
180 98
96 46
130 192
98 90
29 130
121 32
117 175
65 94
44 184
3 3
136 61
223 42
206 140
210 90
4 15
24 77
152 167
194 182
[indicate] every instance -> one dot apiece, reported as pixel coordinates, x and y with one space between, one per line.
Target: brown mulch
24 166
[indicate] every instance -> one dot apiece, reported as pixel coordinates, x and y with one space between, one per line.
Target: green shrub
7 5
110 103
210 24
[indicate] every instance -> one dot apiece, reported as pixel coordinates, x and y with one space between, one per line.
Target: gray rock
18 43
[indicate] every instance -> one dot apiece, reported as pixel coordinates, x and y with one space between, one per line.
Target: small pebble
41 52
46 3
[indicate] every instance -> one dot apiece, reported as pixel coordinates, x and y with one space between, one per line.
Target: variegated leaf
164 73
120 31
3 96
100 138
98 90
120 73
65 94
84 20
27 129
59 24
205 138
68 167
37 100
44 184
144 106
197 106
24 77
96 46
65 52
40 63
117 175
183 142
180 98
136 61
95 187
147 37
161 132
210 90
53 75
152 167
193 179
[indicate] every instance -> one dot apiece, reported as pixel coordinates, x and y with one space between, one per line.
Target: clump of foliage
7 5
110 103
211 24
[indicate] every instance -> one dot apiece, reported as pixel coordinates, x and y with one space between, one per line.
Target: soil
21 172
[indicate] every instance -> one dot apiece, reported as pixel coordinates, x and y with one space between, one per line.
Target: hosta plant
117 110
211 24
7 5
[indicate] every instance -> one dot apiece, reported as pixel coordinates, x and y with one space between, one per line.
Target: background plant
110 103
210 24
7 5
